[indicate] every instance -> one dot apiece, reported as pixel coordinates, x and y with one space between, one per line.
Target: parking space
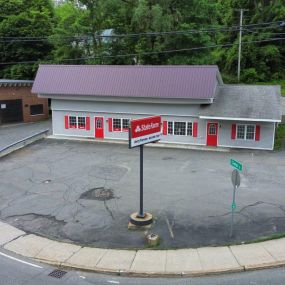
84 192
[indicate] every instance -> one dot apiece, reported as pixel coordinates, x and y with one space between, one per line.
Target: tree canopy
143 32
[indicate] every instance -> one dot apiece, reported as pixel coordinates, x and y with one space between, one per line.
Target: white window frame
186 128
77 125
121 128
245 132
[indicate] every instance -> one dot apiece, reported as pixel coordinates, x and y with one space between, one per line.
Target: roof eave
240 119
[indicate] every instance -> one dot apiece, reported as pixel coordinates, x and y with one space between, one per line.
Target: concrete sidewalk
182 262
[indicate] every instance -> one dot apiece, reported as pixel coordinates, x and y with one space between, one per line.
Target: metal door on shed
11 111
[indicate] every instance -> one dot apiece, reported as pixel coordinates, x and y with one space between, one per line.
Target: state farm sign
143 131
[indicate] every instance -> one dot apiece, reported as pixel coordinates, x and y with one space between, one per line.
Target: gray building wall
169 112
267 132
179 113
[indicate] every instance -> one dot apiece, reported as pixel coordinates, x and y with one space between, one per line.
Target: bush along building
197 108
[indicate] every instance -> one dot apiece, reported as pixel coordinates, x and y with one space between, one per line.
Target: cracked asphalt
44 190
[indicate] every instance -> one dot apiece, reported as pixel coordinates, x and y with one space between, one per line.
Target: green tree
262 61
19 20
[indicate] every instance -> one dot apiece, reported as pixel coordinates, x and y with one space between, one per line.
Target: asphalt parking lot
84 192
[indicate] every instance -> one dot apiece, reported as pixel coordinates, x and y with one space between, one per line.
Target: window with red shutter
164 130
234 128
257 133
87 123
66 122
110 122
195 129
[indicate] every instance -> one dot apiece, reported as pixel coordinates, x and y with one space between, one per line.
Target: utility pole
240 39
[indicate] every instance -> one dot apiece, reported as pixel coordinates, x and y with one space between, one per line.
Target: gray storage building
197 108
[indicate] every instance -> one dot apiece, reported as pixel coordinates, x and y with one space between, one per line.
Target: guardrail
23 142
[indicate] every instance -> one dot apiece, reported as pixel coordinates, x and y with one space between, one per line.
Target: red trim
234 129
110 121
257 132
164 132
195 129
66 122
87 123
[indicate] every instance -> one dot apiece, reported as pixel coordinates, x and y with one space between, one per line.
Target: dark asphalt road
14 272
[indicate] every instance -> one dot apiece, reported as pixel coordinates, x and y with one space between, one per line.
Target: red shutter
234 128
110 121
164 130
66 122
257 133
87 123
195 129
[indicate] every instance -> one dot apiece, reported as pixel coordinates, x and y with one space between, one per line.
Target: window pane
212 129
240 131
250 130
37 109
189 129
117 125
72 122
81 122
126 124
170 128
179 128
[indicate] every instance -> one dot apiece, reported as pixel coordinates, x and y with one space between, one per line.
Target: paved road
14 272
14 132
44 189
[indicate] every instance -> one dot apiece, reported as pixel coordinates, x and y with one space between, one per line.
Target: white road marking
19 260
83 277
169 228
113 281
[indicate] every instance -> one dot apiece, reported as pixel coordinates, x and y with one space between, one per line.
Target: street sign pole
141 212
236 183
233 210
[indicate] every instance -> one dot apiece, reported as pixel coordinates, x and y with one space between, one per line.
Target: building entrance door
99 127
212 134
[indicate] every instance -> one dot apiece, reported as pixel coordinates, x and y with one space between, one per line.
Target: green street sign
235 164
234 206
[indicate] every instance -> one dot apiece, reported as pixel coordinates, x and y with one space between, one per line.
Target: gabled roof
193 82
14 83
245 103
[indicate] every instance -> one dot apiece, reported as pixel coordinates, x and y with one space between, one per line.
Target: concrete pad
116 260
149 261
218 259
183 261
8 233
86 258
28 246
57 252
276 248
252 256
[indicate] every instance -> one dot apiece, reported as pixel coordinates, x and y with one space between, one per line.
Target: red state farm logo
146 127
138 129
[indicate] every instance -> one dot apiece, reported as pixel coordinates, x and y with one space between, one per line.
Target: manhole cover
100 193
57 273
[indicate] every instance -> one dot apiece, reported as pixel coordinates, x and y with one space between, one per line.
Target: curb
152 145
145 263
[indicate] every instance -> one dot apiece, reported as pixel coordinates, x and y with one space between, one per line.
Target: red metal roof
194 82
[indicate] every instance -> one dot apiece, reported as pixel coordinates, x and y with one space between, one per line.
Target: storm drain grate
57 273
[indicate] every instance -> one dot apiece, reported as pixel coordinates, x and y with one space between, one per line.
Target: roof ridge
130 66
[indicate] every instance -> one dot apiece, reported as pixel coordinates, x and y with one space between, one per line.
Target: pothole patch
99 193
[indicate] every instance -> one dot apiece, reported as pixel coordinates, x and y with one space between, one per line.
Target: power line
146 53
178 32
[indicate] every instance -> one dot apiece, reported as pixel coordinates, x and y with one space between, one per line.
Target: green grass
279 137
271 237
